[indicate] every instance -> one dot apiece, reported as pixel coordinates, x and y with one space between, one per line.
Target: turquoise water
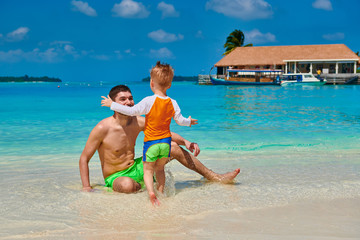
291 143
40 118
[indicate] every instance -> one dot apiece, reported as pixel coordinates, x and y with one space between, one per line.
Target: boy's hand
193 121
106 102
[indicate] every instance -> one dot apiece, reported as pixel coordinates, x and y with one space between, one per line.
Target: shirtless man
114 138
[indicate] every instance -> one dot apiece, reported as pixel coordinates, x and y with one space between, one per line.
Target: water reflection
283 108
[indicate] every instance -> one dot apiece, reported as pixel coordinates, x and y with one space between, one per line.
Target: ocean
298 149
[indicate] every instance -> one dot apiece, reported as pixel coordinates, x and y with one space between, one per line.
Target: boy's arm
139 109
92 144
191 146
179 119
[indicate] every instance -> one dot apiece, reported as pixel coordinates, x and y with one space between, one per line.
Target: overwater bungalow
328 58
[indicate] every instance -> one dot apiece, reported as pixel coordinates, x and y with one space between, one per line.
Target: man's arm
92 144
191 146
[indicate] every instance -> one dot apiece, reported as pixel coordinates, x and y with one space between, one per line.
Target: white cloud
161 53
118 54
85 52
164 37
65 48
101 57
55 53
71 51
50 55
256 37
84 8
167 10
199 34
334 36
69 48
60 43
11 56
130 53
17 35
322 4
243 9
130 9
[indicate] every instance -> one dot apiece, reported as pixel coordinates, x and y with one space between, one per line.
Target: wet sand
335 219
320 219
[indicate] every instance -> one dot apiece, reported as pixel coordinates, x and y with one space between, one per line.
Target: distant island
177 79
26 78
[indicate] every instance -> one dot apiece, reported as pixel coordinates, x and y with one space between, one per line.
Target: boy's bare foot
153 199
227 177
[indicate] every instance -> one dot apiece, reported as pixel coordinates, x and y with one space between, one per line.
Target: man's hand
193 121
193 147
106 102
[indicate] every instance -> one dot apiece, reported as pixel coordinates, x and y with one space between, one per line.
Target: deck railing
204 79
342 78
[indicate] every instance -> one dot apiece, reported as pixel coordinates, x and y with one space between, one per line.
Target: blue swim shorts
156 149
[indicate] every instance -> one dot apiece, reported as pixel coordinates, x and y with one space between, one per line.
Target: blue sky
121 40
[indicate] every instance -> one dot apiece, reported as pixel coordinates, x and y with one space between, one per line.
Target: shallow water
293 145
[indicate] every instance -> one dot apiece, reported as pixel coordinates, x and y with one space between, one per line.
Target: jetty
204 79
332 79
342 78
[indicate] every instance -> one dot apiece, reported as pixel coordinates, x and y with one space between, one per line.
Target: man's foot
153 199
227 177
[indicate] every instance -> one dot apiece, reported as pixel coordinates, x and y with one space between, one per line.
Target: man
114 138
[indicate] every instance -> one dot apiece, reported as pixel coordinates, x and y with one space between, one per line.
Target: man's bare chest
119 140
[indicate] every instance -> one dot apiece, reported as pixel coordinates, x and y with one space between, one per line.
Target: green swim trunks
136 172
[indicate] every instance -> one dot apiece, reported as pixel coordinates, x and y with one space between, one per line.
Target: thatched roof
250 56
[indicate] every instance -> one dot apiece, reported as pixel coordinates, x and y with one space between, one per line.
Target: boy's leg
149 183
160 173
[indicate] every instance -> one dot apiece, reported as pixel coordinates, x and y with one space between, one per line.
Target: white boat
301 79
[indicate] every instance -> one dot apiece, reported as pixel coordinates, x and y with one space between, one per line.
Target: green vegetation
177 79
234 40
26 78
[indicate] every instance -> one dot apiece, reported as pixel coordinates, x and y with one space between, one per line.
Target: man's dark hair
115 90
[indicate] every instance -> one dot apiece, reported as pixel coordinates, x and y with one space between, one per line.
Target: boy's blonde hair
162 74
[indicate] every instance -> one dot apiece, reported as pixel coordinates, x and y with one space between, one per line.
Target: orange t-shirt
158 113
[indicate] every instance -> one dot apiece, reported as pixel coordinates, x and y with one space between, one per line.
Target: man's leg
126 185
191 162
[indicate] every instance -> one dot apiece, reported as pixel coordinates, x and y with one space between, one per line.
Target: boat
248 77
301 79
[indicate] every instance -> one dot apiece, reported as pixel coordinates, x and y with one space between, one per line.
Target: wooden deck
335 79
341 79
204 79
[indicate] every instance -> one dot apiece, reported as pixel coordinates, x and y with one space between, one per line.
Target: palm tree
234 40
